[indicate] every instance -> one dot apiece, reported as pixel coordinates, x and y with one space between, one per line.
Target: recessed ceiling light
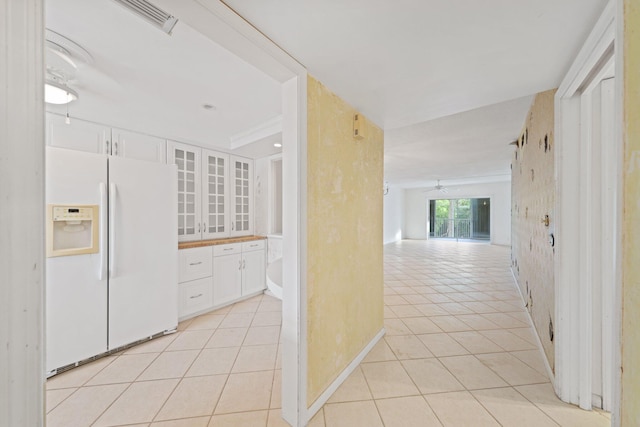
277 145
209 107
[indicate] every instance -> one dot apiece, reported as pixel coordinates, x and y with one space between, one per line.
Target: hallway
458 352
458 349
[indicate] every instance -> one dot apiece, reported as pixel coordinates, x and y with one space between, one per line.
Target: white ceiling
463 148
411 65
145 80
404 63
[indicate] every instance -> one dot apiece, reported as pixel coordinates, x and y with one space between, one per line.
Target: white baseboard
320 401
533 326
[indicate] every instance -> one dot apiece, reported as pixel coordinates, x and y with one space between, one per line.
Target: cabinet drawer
233 248
255 245
195 296
195 263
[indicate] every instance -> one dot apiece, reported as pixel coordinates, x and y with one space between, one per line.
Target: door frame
575 245
225 27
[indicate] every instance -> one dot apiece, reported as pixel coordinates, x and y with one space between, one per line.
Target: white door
76 295
187 159
143 252
253 272
77 135
227 278
241 196
133 145
215 190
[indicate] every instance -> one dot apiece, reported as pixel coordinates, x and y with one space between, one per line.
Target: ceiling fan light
57 93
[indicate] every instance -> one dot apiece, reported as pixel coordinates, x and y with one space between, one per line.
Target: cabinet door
77 135
215 190
227 278
253 272
242 196
138 146
195 263
187 158
195 296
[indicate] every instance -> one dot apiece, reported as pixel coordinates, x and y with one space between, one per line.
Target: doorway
467 219
587 261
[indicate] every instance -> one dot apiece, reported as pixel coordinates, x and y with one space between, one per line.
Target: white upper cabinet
241 196
138 146
187 158
215 192
78 135
81 135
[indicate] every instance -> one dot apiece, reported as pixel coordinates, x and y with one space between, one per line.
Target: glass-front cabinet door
187 159
215 190
242 196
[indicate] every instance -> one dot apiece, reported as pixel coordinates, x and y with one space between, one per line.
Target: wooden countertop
214 242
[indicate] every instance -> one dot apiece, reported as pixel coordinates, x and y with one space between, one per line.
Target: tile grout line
224 386
119 395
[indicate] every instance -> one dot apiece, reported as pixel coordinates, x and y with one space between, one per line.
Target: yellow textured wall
344 231
630 416
532 197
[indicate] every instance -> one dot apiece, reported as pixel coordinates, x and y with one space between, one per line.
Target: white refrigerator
127 290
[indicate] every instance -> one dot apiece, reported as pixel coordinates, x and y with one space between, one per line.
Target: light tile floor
458 352
219 369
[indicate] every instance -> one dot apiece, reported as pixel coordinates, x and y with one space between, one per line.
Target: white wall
261 196
393 215
416 212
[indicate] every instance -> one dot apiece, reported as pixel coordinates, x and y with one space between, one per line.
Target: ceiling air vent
151 13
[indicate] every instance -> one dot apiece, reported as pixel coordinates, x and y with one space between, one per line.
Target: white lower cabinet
253 267
195 277
227 278
214 276
195 296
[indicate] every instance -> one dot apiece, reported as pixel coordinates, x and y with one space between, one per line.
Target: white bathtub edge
275 289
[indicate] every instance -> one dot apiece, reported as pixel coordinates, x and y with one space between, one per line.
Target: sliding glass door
460 219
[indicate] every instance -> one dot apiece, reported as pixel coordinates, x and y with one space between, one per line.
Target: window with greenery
460 218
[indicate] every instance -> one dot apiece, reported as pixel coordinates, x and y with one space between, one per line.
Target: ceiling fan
438 187
62 56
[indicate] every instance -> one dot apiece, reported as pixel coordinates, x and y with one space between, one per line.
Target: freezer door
143 255
76 295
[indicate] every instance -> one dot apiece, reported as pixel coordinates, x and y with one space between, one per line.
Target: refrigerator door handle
113 195
102 273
